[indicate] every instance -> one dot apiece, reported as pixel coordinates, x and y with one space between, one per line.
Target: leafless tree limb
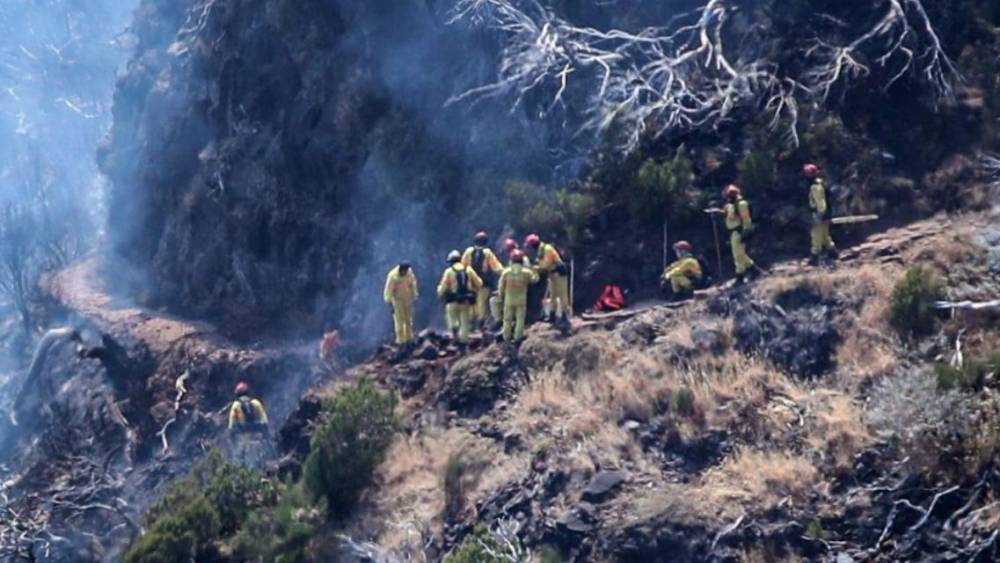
692 73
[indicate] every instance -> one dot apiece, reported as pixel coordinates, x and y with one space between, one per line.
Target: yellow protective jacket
548 258
490 261
449 280
688 266
514 284
237 417
817 197
738 215
400 287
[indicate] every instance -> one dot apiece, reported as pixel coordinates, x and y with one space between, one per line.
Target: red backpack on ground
612 299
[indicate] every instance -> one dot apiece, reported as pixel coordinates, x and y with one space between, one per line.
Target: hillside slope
779 423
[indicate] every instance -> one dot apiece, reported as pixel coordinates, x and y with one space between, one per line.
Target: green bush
684 402
452 483
912 308
758 171
210 503
562 213
476 548
970 376
354 431
549 554
281 533
660 188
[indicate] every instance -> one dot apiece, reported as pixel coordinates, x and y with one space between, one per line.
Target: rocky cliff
271 160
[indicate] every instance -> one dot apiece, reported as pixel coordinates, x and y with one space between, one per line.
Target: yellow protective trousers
513 321
679 282
496 307
821 239
459 319
740 258
482 303
402 317
557 295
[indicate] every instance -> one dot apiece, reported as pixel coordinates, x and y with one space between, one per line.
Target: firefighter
821 211
246 414
740 226
684 273
513 286
549 262
481 259
400 293
458 287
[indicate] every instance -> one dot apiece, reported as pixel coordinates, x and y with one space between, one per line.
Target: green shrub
211 502
561 213
354 431
684 402
454 488
662 187
549 554
758 171
281 533
477 547
815 530
912 308
970 376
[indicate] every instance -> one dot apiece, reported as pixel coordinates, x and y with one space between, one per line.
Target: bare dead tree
697 71
17 248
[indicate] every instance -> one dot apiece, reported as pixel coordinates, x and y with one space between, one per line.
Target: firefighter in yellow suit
400 293
513 285
740 225
684 272
549 262
481 258
458 287
246 413
820 234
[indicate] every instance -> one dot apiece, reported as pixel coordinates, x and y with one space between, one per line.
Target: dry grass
411 480
759 480
836 429
764 555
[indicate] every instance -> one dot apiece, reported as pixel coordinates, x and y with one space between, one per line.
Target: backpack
612 299
478 257
249 414
831 200
462 293
706 272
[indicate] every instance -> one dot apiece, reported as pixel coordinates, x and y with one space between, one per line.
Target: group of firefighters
686 273
477 285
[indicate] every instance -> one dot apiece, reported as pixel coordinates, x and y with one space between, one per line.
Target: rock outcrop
304 146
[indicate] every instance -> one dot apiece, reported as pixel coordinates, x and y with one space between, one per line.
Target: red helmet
682 245
510 245
482 238
517 256
732 190
810 170
532 241
241 388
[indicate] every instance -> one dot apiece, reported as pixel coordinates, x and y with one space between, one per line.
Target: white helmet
454 256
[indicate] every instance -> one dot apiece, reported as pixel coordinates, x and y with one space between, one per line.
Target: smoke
58 60
422 198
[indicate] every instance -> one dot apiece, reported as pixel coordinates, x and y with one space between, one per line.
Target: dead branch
694 72
726 531
930 509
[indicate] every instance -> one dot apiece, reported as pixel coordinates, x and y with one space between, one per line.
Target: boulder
798 335
603 485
